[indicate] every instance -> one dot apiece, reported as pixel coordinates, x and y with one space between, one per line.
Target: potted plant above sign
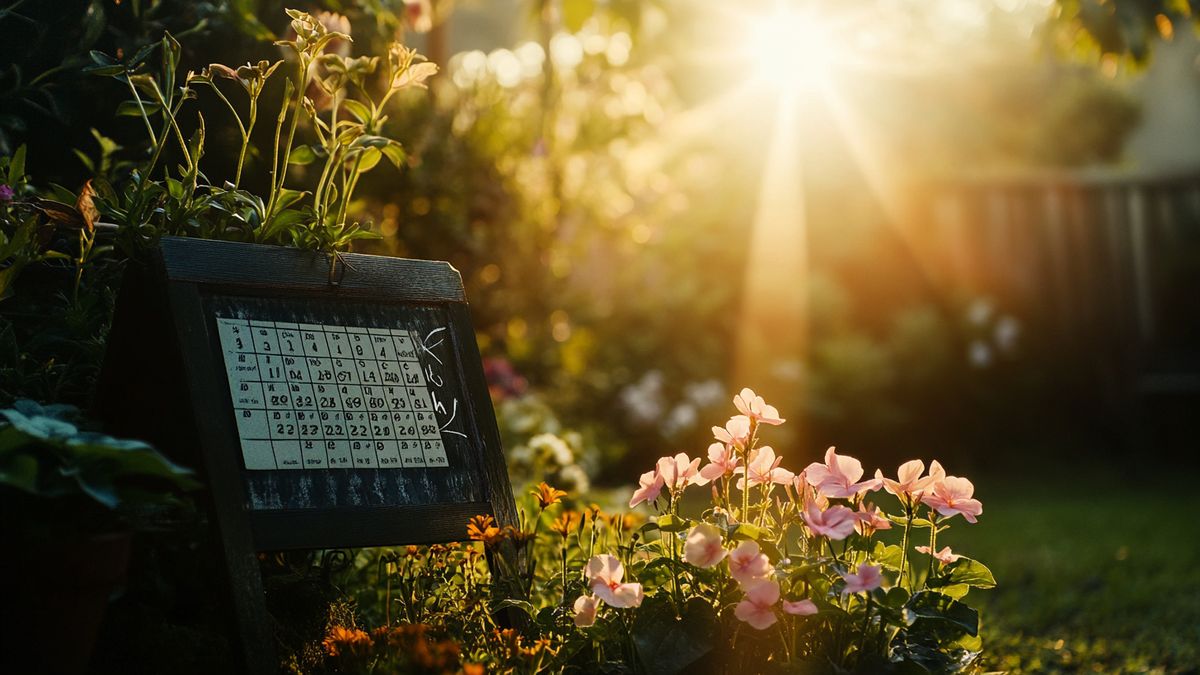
71 499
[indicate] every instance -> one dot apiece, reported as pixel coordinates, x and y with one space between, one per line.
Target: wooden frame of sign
323 413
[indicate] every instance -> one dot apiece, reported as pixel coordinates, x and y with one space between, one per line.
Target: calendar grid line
325 396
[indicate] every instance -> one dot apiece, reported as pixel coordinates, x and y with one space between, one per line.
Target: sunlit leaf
369 158
395 154
302 155
360 111
86 206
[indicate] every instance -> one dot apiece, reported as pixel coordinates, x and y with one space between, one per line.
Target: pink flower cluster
604 574
736 458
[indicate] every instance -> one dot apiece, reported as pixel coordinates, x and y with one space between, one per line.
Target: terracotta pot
56 599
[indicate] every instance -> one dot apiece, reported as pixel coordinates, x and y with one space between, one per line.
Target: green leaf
100 58
360 111
97 485
956 591
368 141
289 217
131 109
19 471
887 555
939 607
522 605
369 158
16 166
93 24
302 155
917 522
105 70
288 197
673 523
895 597
970 572
667 644
395 154
746 531
142 54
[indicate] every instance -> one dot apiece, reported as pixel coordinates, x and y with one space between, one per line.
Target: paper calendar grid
309 396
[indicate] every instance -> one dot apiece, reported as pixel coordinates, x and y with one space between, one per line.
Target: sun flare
789 50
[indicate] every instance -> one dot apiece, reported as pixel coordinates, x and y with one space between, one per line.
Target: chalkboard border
194 268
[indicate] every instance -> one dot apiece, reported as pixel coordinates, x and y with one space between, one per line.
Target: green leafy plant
85 476
330 91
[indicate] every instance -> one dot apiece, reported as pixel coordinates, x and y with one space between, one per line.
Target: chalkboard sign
322 414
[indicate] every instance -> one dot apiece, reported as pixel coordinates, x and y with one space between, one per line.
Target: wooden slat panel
282 268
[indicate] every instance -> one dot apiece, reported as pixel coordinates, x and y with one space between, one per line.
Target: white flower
1006 333
706 393
554 448
979 354
575 479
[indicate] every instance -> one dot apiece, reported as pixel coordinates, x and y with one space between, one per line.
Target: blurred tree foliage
605 263
1126 28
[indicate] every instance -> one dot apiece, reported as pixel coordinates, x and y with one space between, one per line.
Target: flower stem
904 546
933 518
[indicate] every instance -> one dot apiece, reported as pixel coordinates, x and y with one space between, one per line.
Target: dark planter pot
57 594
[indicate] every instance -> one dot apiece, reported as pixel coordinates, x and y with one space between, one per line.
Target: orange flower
473 669
624 521
483 528
546 495
518 537
566 522
347 641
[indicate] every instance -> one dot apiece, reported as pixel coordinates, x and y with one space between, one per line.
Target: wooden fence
1106 265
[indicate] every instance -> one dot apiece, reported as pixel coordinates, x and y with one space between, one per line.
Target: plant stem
862 641
237 179
142 109
904 546
751 438
933 518
281 168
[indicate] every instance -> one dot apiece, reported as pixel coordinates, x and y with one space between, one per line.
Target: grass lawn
1101 576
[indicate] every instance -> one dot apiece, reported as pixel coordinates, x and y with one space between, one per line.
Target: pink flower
418 15
585 610
835 522
836 477
722 461
944 556
680 471
870 519
6 193
951 496
703 546
756 408
908 478
747 563
649 485
764 468
757 607
604 573
800 607
735 433
867 579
